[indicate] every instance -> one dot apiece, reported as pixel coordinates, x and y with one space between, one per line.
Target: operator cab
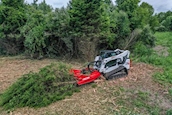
103 55
109 53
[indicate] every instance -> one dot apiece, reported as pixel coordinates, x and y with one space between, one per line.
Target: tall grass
149 56
165 39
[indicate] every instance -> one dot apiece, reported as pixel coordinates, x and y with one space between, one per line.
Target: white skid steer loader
110 63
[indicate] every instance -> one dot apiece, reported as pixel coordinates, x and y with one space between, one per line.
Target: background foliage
79 30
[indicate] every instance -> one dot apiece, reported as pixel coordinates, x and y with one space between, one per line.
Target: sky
158 5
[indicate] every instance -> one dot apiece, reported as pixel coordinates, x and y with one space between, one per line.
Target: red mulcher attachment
83 78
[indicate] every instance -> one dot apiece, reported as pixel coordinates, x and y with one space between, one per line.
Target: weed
94 85
170 91
169 112
139 100
141 50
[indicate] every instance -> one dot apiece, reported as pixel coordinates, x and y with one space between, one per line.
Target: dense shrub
12 18
169 112
167 23
39 89
147 36
161 28
141 50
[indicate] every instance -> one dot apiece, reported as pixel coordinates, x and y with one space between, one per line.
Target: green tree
58 41
12 18
167 23
130 7
90 24
33 31
146 37
164 21
122 29
145 12
13 3
163 15
140 39
45 7
139 17
154 23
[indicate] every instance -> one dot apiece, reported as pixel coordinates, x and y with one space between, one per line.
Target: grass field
147 90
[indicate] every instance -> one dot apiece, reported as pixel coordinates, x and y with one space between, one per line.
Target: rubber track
112 77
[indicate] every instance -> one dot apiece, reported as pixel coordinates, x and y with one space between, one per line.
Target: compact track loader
110 63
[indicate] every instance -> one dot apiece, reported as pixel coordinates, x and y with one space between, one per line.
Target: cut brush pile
39 89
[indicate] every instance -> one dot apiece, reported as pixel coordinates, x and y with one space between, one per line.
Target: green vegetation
39 89
139 100
79 30
158 59
165 21
90 27
130 101
114 99
164 40
169 112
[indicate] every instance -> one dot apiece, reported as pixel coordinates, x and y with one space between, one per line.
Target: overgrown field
161 57
147 90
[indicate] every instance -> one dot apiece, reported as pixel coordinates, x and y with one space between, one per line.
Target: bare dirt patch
12 69
98 101
161 50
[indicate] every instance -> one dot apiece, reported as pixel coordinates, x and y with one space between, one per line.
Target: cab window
111 63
